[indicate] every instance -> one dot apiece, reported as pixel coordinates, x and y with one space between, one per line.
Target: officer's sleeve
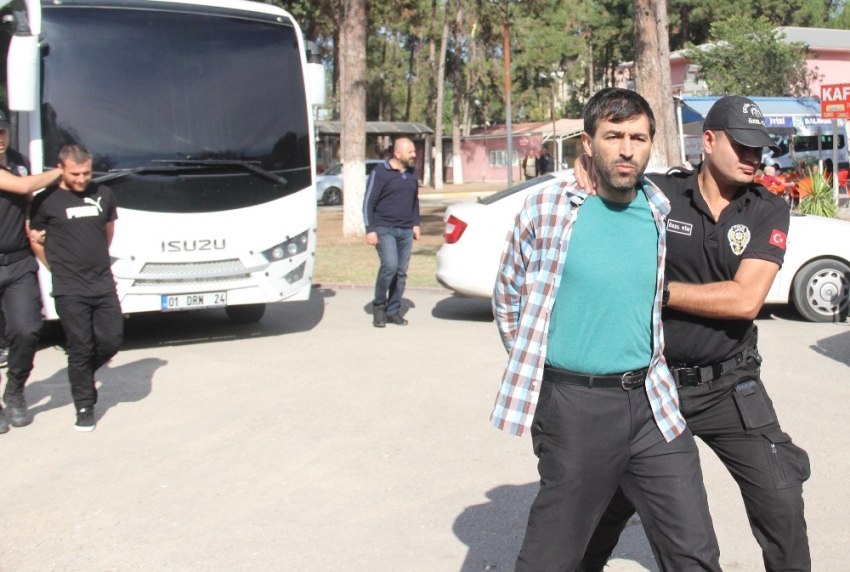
38 217
769 231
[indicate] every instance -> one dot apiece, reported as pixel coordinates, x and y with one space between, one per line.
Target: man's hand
585 175
372 238
37 236
415 233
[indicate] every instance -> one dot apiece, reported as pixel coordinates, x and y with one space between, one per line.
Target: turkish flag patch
778 238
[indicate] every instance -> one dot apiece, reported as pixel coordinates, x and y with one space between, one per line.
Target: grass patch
343 260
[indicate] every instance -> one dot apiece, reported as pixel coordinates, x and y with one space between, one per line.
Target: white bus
198 116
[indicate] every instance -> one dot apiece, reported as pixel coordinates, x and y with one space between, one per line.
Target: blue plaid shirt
527 284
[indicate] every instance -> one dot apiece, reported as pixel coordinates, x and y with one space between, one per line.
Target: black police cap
742 120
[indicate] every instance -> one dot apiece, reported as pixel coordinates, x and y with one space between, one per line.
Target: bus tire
245 313
332 197
821 291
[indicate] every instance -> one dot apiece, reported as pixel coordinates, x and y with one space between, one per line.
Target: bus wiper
183 165
249 165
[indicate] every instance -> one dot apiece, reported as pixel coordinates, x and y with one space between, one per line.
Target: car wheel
246 313
821 291
332 197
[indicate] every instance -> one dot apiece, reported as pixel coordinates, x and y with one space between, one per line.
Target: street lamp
505 9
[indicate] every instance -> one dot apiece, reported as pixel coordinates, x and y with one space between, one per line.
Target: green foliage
749 57
820 202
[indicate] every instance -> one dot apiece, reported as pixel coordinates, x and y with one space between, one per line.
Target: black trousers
742 429
94 328
21 304
589 442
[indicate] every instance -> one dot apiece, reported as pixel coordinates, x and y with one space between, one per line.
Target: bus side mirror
316 84
22 72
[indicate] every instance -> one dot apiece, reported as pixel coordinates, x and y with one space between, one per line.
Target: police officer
21 301
726 240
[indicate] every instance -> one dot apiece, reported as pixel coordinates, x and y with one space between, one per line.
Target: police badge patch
739 238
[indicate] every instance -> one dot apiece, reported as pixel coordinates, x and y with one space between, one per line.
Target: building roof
377 128
563 128
818 38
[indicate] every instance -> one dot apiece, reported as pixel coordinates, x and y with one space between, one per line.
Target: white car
815 276
329 183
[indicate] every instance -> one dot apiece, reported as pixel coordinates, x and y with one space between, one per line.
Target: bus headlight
288 249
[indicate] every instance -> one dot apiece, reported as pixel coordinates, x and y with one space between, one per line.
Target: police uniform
716 366
21 299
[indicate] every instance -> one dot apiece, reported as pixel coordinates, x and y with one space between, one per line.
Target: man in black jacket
391 215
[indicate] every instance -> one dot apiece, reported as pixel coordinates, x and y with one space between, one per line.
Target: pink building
485 149
829 56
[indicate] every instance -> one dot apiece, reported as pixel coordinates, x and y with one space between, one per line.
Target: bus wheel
246 313
332 197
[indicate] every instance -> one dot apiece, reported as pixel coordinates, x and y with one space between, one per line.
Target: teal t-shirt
601 321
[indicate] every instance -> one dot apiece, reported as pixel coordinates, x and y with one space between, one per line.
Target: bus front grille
199 281
214 267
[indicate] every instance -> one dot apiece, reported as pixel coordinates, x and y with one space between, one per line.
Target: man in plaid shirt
586 372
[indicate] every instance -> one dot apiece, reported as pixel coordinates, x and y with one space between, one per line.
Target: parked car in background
815 277
329 183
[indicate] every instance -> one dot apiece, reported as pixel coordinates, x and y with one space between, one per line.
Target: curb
345 286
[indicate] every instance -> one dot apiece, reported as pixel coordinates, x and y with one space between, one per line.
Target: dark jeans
94 328
590 441
394 246
742 429
21 303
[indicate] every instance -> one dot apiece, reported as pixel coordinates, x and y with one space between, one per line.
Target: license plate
193 301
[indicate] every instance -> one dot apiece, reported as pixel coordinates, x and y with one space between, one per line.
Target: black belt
628 380
6 259
686 376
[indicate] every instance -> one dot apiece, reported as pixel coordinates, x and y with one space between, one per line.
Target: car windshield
334 171
515 189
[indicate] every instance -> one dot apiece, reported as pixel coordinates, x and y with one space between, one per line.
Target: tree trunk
335 91
457 155
427 175
353 111
666 111
382 96
438 109
652 75
388 112
412 43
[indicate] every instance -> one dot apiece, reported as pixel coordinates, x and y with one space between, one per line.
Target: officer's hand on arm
585 175
738 299
38 250
37 236
415 233
372 238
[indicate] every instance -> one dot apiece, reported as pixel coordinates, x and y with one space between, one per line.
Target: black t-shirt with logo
13 208
76 245
701 250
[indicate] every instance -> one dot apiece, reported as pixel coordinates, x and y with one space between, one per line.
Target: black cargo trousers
21 307
735 417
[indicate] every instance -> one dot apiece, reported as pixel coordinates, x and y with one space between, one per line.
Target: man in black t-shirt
725 244
79 219
21 299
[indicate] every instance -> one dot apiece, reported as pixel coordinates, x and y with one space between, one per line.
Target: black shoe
16 408
4 425
85 419
4 357
379 316
396 319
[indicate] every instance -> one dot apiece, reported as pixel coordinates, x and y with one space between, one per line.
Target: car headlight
288 249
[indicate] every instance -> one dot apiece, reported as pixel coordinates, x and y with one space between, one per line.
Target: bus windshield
143 86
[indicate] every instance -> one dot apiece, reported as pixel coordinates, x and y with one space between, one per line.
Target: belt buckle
627 384
690 375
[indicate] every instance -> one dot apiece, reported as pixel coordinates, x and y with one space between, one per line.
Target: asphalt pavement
314 442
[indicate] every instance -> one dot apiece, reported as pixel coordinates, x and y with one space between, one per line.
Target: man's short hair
616 105
76 153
